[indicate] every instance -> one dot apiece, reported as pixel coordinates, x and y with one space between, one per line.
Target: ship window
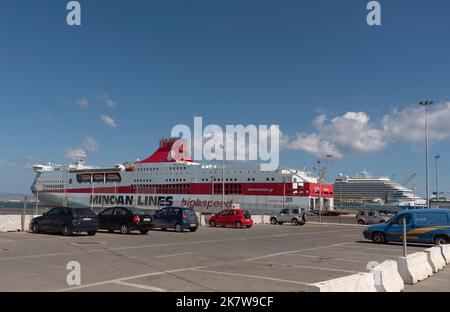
113 177
83 178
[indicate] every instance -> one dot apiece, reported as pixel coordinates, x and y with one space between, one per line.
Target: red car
232 217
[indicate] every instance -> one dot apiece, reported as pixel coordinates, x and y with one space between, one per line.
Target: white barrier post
387 278
445 249
414 268
435 258
360 282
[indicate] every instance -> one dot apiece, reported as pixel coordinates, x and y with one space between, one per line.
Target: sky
134 69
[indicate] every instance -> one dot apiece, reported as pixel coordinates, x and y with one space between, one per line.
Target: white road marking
375 247
127 278
295 251
186 269
329 258
310 267
253 276
150 288
175 255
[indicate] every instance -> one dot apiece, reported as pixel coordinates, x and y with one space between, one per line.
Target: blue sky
313 67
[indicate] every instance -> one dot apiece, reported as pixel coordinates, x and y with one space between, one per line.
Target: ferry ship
159 181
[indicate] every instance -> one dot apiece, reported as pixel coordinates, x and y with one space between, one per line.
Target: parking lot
263 258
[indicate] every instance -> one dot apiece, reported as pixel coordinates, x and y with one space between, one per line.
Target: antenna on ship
80 158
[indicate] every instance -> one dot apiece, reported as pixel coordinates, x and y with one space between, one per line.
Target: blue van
422 226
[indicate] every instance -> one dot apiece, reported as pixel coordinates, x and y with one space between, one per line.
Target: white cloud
110 122
105 99
90 144
83 103
71 153
351 133
408 124
355 133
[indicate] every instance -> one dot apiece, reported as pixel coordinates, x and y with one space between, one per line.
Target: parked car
232 217
66 220
178 218
370 217
125 219
422 226
292 215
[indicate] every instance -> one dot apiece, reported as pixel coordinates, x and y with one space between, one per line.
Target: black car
125 219
66 220
178 218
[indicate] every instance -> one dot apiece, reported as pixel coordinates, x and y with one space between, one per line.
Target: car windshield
83 212
138 211
246 214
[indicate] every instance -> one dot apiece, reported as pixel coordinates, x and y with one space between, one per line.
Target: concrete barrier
445 249
414 268
387 278
13 223
360 282
435 258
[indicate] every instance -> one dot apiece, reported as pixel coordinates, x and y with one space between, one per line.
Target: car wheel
238 224
441 240
34 227
178 228
144 232
92 233
273 221
295 222
193 229
212 223
124 229
378 238
361 222
66 230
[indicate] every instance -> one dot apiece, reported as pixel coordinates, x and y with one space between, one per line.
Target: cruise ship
367 189
159 181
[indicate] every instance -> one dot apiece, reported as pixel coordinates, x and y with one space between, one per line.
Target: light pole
437 177
212 194
223 175
426 104
340 197
329 156
320 191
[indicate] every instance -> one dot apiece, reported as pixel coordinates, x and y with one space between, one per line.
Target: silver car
292 215
371 217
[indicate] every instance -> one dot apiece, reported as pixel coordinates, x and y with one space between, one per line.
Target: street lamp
223 175
437 177
320 192
426 104
340 197
329 156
